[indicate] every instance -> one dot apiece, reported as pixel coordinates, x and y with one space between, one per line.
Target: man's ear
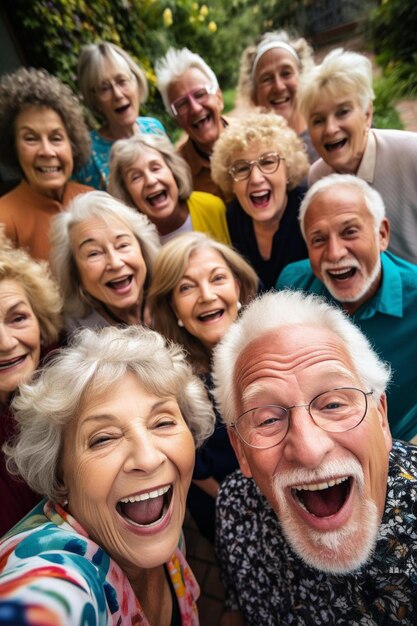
383 418
384 232
239 449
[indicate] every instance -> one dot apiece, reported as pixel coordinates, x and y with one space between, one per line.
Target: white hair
172 66
340 73
371 196
102 205
94 362
273 311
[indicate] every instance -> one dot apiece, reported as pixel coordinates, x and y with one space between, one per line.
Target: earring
180 323
239 305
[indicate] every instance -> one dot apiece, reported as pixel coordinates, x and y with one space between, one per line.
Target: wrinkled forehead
280 355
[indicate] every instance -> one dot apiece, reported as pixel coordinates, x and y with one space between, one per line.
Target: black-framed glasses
181 105
267 163
335 411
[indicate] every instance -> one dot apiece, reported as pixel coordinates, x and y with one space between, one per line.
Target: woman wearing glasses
192 96
113 87
147 174
263 163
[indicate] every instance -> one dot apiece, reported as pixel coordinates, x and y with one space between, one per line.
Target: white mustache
343 263
323 473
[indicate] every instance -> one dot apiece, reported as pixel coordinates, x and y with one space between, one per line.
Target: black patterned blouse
272 586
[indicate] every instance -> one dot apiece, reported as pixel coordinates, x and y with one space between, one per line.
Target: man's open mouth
202 121
342 274
323 499
146 509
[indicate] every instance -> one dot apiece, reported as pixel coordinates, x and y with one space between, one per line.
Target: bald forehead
279 354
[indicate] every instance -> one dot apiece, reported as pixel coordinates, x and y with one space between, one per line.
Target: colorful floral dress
52 573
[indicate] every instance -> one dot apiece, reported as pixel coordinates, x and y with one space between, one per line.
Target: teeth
321 486
339 271
259 194
11 362
146 496
210 313
49 169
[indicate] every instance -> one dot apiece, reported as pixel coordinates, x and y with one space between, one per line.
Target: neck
174 221
297 123
114 132
122 317
152 590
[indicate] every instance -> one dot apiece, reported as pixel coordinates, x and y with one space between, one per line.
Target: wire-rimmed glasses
267 163
335 411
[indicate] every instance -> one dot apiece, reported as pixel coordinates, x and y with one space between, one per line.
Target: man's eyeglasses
268 163
105 89
181 106
334 411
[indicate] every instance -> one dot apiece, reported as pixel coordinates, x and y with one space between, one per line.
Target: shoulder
150 125
235 490
406 270
318 170
297 275
203 200
399 142
14 196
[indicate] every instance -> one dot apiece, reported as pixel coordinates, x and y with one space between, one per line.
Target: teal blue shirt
389 320
95 172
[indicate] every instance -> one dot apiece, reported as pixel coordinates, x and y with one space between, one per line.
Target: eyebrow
343 224
92 240
16 305
105 417
212 271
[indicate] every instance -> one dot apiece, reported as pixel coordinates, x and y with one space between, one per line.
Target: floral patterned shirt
52 573
271 585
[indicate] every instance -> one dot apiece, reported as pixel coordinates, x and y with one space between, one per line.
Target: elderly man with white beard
343 222
319 525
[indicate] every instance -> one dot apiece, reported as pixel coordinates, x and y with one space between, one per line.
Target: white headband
270 45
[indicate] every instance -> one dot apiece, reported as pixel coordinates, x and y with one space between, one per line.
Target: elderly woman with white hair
270 74
336 98
147 174
102 254
108 433
262 162
192 96
113 87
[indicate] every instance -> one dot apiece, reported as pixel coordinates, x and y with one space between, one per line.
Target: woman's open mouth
323 499
120 284
157 198
148 508
335 145
211 315
260 199
5 365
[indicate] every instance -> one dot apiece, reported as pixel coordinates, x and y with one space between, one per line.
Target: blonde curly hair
267 129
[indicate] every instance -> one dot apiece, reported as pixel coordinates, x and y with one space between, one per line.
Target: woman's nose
143 454
7 339
114 259
46 148
207 293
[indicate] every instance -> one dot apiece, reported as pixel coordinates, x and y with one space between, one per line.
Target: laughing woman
147 173
113 87
43 139
262 162
102 254
199 285
108 433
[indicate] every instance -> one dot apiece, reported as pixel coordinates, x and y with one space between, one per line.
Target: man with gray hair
192 96
346 231
319 525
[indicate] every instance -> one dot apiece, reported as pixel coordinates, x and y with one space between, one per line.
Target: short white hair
341 72
102 205
173 65
272 311
372 198
94 362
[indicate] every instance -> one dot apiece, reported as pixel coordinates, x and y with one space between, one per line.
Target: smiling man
192 96
317 527
347 234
